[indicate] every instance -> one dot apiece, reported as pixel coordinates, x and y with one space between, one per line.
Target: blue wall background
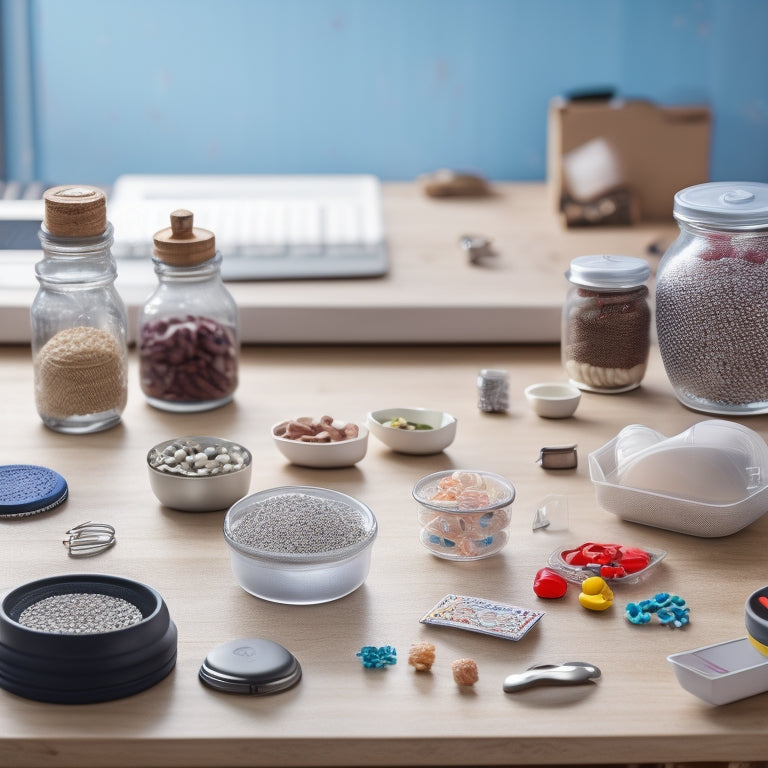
95 89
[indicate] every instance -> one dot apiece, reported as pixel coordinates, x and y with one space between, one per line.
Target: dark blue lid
26 489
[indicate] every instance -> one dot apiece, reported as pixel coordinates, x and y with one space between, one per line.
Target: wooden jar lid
75 211
183 245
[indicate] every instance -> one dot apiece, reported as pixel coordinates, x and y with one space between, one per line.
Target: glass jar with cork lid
606 323
78 319
189 338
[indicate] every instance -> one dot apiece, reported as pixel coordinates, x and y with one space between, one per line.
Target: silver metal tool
569 673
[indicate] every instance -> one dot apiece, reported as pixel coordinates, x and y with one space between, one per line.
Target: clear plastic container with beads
78 319
711 299
188 331
606 328
464 514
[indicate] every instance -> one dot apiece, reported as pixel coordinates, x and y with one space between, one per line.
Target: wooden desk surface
431 293
342 714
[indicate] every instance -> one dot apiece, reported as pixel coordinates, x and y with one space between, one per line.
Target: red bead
633 559
549 584
574 557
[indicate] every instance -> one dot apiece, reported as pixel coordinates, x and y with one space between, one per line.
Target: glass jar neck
207 270
594 290
76 246
700 228
76 260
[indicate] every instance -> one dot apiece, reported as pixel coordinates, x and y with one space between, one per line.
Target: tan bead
465 671
422 656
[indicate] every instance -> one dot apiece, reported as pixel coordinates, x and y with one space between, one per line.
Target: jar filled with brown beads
606 323
189 333
78 319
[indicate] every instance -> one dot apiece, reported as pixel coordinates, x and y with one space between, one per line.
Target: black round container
756 620
85 668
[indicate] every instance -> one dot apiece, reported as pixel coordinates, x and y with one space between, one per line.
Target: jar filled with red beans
189 334
712 299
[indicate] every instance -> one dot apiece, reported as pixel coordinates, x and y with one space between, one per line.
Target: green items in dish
401 423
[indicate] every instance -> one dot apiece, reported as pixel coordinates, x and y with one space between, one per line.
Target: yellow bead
595 595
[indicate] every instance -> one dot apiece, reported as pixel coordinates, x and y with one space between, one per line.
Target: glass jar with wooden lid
189 331
78 319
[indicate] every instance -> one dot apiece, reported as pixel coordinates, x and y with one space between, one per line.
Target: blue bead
375 658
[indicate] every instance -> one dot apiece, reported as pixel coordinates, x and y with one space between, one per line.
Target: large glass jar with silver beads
189 332
712 299
606 323
78 319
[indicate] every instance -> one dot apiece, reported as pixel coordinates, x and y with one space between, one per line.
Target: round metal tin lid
26 489
253 666
724 204
608 271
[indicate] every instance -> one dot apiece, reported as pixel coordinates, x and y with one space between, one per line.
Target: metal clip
89 539
477 247
559 457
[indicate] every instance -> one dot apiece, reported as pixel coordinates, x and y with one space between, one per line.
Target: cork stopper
182 244
75 211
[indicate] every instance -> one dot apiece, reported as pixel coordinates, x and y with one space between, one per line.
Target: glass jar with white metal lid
606 322
712 299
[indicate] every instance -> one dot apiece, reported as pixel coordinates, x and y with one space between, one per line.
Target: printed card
485 616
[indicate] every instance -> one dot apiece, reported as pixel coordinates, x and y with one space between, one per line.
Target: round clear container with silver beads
300 544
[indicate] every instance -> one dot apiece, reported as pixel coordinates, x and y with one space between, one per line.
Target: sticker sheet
485 616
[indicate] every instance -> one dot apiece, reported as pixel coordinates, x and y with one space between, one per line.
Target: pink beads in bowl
464 514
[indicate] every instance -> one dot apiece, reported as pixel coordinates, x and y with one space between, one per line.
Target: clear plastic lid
724 204
607 271
714 461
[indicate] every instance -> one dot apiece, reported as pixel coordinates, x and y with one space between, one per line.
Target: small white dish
341 453
553 399
441 432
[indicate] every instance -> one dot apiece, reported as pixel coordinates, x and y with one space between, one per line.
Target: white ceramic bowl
197 493
414 441
464 514
553 399
342 453
303 576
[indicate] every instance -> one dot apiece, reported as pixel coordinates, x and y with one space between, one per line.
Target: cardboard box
617 161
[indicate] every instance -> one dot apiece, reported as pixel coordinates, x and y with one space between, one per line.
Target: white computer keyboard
267 227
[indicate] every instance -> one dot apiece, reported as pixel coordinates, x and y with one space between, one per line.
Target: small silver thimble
493 390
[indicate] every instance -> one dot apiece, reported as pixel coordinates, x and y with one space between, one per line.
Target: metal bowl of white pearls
199 474
300 544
